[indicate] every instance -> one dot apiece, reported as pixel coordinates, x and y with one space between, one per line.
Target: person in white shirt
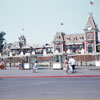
72 63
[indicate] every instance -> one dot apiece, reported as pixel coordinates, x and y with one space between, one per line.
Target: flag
91 3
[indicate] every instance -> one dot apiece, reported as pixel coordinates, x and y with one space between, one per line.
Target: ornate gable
91 23
59 37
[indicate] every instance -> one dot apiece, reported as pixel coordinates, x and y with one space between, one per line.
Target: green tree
1 40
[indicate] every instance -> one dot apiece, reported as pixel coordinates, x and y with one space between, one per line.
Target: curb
72 76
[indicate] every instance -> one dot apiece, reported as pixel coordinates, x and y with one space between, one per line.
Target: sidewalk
14 72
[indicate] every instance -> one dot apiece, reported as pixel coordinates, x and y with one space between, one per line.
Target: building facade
79 43
91 35
86 42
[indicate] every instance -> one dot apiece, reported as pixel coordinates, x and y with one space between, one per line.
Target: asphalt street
50 88
50 84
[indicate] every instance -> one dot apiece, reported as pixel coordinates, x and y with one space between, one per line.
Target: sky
41 19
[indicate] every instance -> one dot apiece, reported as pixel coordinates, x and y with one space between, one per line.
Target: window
89 36
68 39
81 46
89 49
81 38
75 38
58 37
67 47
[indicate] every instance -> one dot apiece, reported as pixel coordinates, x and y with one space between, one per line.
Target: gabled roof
59 36
91 22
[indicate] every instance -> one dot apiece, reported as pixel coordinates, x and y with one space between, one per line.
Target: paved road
23 84
50 88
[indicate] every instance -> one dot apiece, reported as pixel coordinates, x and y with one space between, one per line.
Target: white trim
70 43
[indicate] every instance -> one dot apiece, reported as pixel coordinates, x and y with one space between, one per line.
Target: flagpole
91 4
89 7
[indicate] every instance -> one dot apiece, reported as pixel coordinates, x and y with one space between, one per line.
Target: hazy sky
41 19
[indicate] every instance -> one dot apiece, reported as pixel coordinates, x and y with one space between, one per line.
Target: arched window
89 49
89 36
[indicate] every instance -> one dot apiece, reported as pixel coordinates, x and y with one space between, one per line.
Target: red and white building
86 42
91 35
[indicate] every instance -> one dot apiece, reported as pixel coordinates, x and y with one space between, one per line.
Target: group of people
34 65
21 64
69 65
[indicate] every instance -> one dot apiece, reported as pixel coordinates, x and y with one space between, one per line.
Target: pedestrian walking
66 65
22 64
2 64
72 64
35 67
